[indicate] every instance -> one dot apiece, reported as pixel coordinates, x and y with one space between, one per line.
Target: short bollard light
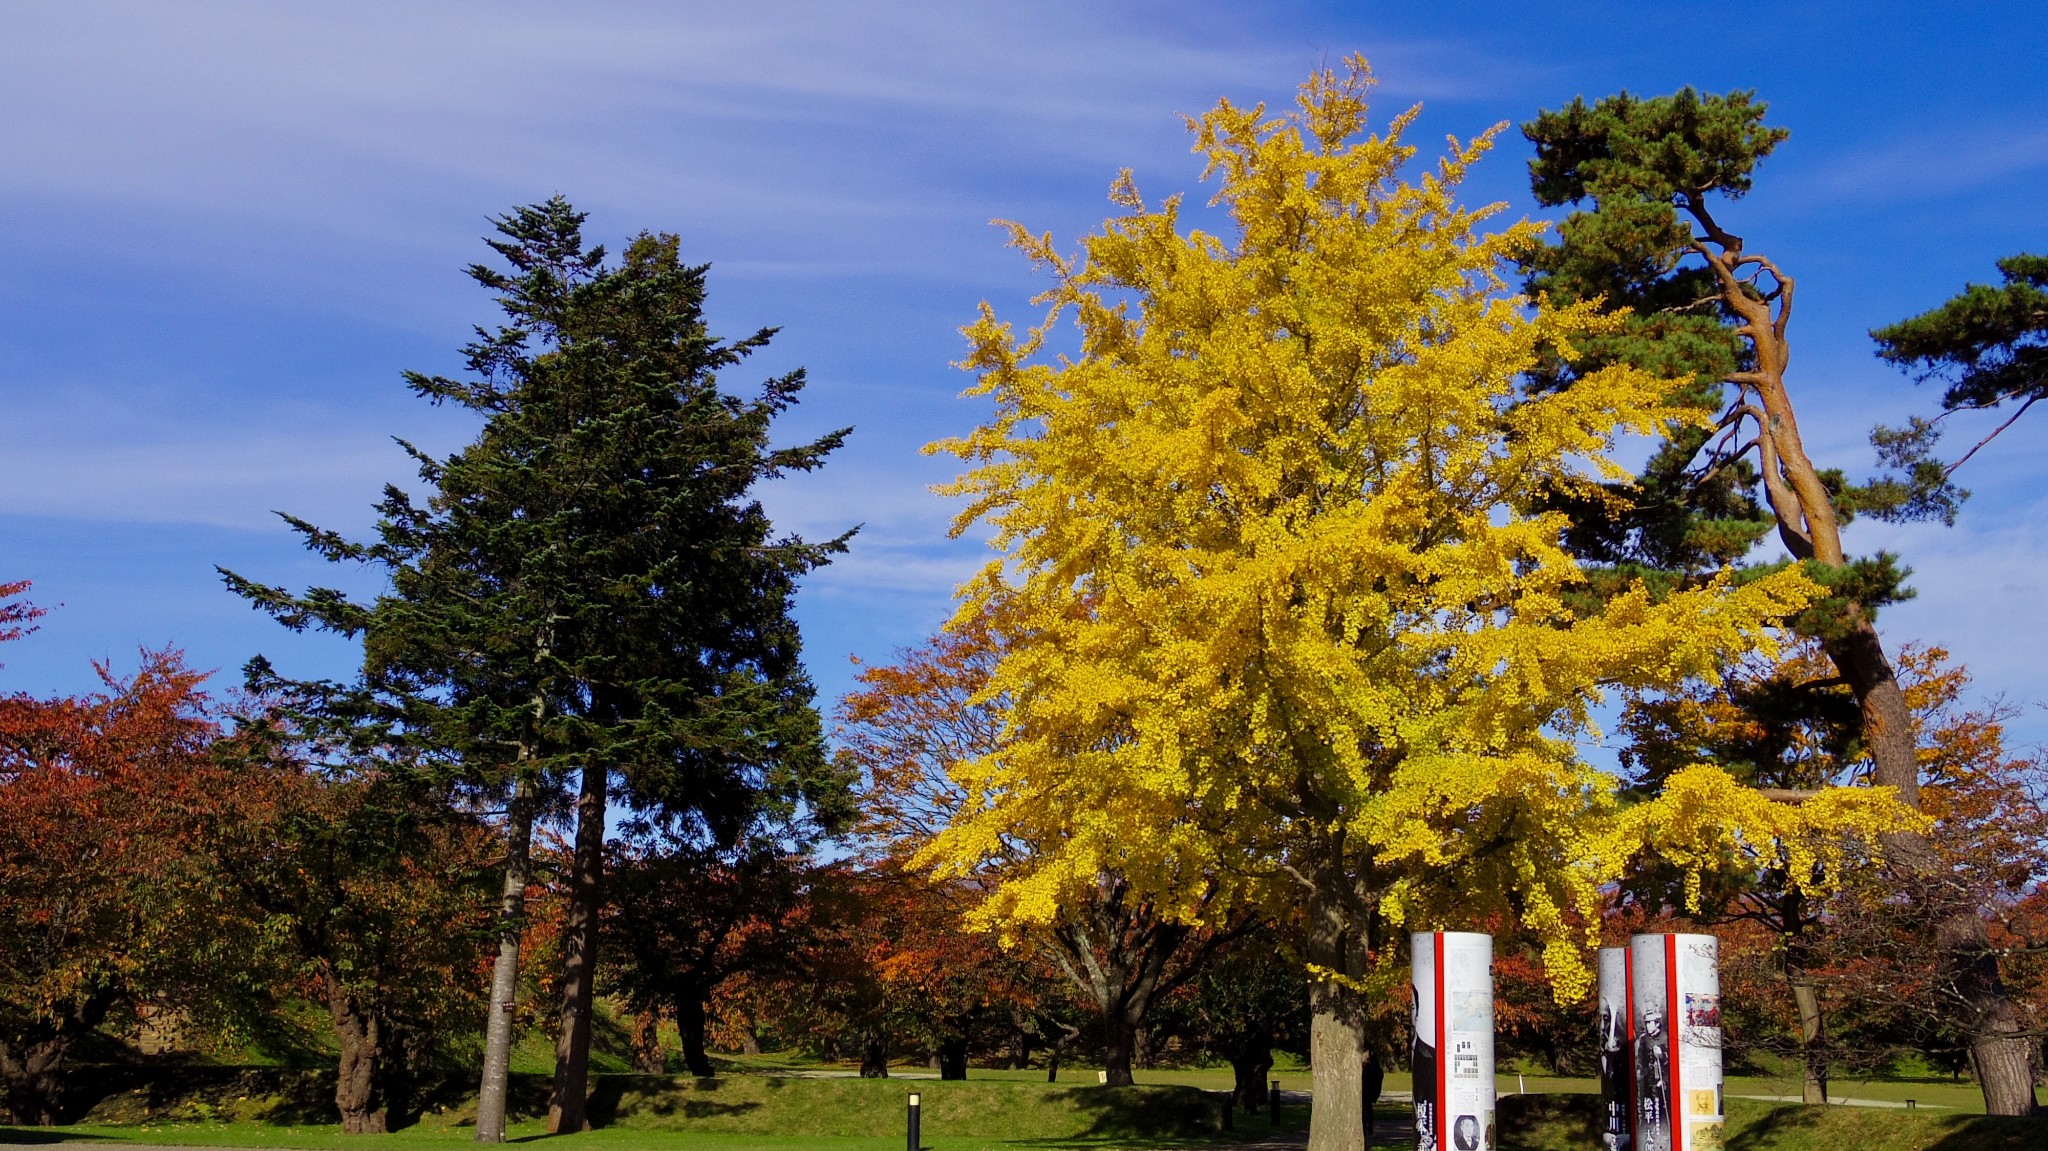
1273 1103
912 1143
1912 1105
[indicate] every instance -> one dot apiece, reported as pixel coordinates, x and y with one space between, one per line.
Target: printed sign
1675 988
1452 1057
1617 1077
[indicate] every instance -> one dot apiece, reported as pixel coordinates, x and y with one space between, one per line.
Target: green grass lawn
607 1139
770 1103
735 1111
1567 1123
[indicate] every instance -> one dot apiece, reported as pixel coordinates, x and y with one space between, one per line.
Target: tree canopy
1291 611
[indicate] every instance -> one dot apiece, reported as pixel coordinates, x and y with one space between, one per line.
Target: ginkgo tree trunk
1286 613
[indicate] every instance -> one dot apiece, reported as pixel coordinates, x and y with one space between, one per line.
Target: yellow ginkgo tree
1286 611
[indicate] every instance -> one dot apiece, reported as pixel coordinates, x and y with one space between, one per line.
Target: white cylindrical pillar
1617 1043
1675 981
1452 1057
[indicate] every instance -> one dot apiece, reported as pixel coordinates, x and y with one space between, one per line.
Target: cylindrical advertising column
1676 984
1617 1078
1453 1054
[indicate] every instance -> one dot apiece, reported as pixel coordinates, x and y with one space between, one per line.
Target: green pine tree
1646 178
589 599
1989 344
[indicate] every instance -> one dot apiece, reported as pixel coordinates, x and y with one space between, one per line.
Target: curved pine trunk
1799 499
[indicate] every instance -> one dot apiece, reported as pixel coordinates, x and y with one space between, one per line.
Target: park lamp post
913 1140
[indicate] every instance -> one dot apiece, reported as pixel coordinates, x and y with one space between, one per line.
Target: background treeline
180 883
1153 794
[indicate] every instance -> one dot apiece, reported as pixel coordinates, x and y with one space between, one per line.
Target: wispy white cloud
1929 164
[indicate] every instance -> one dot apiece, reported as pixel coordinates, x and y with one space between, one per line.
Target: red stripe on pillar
1443 1052
1676 1112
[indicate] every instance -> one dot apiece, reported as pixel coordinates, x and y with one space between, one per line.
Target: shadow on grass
33 1135
1571 1122
1986 1133
661 1098
1153 1112
1777 1125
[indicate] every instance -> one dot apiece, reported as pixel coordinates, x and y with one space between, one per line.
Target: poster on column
1452 1058
1676 987
1617 1079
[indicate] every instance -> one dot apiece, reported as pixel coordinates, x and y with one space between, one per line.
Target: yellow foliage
1289 610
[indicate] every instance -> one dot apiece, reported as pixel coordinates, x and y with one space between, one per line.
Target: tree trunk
1372 1081
491 1095
579 958
648 1057
1118 1039
359 1078
690 1019
1058 1050
1335 1052
953 1058
1336 1038
874 1056
1998 1041
1807 524
1251 1059
30 1068
1999 1046
1813 1055
32 1060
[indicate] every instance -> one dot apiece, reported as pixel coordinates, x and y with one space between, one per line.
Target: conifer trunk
491 1095
579 958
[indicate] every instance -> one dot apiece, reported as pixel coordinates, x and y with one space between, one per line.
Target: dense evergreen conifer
588 599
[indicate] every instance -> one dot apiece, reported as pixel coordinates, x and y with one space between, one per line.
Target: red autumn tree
905 728
97 794
363 886
17 618
684 922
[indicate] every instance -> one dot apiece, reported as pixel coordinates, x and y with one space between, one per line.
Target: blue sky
226 228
